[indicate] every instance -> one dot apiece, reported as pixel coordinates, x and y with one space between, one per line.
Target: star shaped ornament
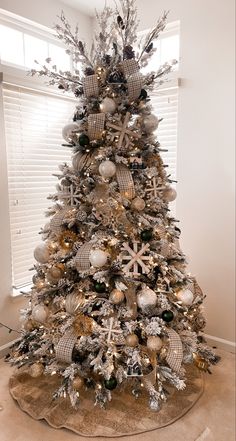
123 132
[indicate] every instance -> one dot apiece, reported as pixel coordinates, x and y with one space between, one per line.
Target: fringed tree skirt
124 415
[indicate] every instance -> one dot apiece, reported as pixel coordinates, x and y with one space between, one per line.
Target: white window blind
165 105
33 124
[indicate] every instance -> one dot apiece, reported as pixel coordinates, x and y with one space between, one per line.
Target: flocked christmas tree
112 303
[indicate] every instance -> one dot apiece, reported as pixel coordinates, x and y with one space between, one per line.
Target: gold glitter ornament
83 325
77 383
116 296
67 239
154 343
132 340
36 370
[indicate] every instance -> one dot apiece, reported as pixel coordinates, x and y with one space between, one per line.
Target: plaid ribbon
56 223
164 251
96 123
130 67
125 181
134 83
65 347
90 86
82 261
175 352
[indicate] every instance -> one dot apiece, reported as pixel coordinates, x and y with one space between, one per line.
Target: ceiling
88 6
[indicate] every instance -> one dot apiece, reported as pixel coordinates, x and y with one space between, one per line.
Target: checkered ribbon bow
125 181
96 123
134 78
82 261
175 352
65 347
90 86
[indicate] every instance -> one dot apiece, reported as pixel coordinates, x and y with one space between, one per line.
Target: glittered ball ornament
36 370
132 340
116 296
154 343
169 194
108 105
146 298
40 313
54 274
100 287
138 204
150 123
83 140
77 383
70 132
98 258
146 235
111 383
42 253
107 169
167 316
185 296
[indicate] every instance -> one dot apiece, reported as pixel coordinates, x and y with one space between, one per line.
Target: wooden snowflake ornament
135 259
69 195
111 328
152 187
124 133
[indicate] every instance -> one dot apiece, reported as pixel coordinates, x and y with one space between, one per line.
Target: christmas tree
112 302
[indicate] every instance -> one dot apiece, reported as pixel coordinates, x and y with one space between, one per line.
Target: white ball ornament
108 105
42 253
169 194
40 313
150 123
98 258
185 296
69 131
138 204
154 343
146 298
107 169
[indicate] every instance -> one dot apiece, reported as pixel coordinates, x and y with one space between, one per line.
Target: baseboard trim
221 343
4 349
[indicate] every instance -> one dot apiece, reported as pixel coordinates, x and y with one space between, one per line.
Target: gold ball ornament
36 370
54 274
169 194
138 204
40 313
116 296
29 325
42 253
132 340
154 343
77 383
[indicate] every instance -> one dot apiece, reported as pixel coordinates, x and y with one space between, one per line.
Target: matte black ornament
83 140
111 383
146 235
167 316
143 95
100 287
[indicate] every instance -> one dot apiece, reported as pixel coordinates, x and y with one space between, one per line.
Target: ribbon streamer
65 347
90 86
175 352
131 302
134 78
82 261
125 181
96 123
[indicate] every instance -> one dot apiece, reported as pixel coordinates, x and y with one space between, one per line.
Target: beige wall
205 170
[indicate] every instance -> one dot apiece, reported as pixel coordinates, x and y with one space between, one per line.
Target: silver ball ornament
138 204
42 253
154 343
107 169
40 313
69 132
98 258
169 194
185 296
108 105
146 298
150 123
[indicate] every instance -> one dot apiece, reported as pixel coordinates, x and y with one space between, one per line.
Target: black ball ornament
111 383
143 94
83 140
100 287
167 316
146 235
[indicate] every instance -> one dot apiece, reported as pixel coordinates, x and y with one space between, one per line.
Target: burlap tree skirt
124 415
